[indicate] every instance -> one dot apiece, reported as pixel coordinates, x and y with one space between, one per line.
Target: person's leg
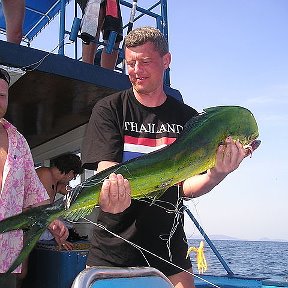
14 18
108 61
21 276
8 281
89 51
182 280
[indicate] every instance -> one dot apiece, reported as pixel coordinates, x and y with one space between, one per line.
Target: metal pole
76 40
207 239
164 30
62 27
164 24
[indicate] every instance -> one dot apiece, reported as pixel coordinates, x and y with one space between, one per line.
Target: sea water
265 259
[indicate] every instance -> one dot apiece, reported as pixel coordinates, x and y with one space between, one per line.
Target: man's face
3 97
145 67
68 177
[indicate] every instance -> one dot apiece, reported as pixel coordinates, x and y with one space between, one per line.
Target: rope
39 62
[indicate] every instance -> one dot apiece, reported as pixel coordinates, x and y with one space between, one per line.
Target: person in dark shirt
130 123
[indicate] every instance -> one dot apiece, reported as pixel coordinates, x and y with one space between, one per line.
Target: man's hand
67 245
59 231
228 158
115 195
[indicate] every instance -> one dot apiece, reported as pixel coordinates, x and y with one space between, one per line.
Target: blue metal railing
62 27
161 22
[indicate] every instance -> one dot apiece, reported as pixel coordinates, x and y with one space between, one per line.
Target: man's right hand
115 195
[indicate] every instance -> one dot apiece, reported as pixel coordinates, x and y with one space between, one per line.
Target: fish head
237 122
244 127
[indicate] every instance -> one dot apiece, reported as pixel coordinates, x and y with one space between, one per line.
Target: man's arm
102 165
59 231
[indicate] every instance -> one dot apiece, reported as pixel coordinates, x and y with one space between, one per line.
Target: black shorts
110 23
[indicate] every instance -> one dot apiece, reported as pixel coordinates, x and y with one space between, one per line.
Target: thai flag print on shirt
134 146
145 138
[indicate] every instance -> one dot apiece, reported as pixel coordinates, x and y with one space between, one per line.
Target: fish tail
33 222
31 237
35 216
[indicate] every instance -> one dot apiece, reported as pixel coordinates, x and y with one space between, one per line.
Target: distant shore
225 237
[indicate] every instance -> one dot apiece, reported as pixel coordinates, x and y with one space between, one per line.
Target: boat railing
156 12
140 277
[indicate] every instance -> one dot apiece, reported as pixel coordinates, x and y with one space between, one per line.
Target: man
20 185
56 179
140 120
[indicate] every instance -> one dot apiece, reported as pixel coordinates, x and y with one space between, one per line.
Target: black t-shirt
120 128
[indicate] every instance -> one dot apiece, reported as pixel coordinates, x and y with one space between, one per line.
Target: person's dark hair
142 35
4 75
67 162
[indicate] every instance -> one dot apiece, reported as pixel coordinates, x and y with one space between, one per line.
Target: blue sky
229 52
235 52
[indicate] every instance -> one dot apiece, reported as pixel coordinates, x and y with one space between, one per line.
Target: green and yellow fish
149 175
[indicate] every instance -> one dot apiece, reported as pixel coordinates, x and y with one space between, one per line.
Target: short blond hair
142 35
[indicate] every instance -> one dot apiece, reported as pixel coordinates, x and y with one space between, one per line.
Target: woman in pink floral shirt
20 186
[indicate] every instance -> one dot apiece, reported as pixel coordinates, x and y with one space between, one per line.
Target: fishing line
155 203
177 210
147 251
192 199
39 62
176 221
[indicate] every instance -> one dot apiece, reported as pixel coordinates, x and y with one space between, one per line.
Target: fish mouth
255 144
252 146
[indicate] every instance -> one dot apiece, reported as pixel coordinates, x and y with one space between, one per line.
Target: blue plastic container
51 268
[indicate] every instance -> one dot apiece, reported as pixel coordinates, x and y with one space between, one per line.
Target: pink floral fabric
21 188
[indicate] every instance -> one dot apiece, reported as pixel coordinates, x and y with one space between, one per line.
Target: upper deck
56 93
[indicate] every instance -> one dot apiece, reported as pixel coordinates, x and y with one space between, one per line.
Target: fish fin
31 237
214 109
201 117
77 211
80 213
72 195
197 120
33 222
20 221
